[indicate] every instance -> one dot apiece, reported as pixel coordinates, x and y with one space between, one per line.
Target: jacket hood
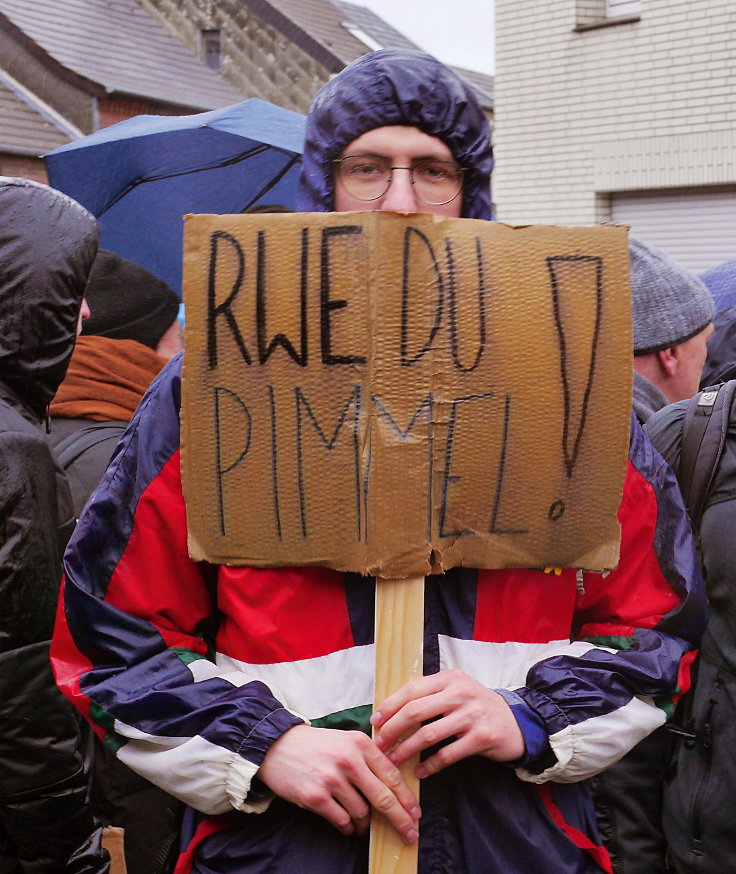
721 280
396 87
720 364
47 245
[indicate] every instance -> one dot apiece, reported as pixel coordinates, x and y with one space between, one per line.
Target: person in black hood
47 245
720 360
699 818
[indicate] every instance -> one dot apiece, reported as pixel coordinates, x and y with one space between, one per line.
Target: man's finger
418 688
388 793
425 737
385 802
389 774
355 806
448 755
408 719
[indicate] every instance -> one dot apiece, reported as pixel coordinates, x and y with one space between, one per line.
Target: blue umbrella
139 177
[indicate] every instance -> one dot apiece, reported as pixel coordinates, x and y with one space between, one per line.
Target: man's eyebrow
449 160
415 159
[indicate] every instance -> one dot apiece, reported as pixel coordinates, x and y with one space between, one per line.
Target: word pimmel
347 443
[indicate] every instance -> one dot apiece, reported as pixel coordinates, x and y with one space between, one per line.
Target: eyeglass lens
368 177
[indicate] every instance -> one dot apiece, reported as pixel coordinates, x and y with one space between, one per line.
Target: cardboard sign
399 395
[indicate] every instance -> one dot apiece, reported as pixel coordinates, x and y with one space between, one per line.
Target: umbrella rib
257 150
266 188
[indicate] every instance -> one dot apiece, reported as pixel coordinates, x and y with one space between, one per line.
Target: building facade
620 110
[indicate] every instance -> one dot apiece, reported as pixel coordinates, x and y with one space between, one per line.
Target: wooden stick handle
399 648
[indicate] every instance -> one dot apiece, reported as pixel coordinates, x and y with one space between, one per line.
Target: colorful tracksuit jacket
191 671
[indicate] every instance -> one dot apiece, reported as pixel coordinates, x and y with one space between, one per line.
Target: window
619 8
211 48
594 14
361 35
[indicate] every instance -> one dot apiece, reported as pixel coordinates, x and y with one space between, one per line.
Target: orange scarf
106 379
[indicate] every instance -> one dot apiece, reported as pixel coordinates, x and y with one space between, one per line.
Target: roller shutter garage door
696 226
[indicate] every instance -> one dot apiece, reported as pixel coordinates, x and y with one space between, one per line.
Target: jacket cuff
533 729
266 732
245 791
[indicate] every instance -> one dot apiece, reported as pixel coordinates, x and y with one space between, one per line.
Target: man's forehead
399 141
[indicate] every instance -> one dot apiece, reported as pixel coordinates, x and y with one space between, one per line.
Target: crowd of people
187 674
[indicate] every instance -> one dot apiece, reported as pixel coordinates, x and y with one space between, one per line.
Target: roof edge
296 33
40 106
95 89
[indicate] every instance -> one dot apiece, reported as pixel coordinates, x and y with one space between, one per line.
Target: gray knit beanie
669 304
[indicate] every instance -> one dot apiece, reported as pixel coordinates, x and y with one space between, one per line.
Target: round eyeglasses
368 177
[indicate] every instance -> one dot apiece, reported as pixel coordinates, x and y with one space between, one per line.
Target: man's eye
436 172
365 170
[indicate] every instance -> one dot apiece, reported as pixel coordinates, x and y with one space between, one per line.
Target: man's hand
479 719
340 775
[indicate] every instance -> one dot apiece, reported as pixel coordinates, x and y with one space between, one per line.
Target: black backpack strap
703 435
77 443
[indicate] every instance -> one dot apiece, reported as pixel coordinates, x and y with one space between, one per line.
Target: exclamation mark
577 298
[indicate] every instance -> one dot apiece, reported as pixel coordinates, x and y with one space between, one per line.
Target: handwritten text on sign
397 394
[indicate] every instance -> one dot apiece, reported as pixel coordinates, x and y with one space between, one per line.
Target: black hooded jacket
47 245
699 815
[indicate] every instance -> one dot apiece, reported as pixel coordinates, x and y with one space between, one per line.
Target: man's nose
400 196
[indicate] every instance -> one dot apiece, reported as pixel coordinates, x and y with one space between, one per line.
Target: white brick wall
632 106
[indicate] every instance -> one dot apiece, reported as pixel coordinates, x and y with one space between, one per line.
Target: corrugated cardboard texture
396 395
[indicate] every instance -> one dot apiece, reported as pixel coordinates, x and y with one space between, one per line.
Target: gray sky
458 32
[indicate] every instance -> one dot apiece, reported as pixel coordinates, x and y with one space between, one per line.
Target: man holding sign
246 691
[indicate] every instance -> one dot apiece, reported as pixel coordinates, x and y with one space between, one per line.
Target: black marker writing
214 311
567 292
265 348
304 409
327 304
220 471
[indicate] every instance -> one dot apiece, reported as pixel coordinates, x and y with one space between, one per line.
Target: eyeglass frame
337 164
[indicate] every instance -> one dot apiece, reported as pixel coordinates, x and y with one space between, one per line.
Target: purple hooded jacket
192 672
396 87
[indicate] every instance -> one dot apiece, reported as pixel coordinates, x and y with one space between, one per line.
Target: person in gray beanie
672 313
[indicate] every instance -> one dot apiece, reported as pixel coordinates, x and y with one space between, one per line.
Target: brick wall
28 167
257 59
589 11
112 111
625 107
